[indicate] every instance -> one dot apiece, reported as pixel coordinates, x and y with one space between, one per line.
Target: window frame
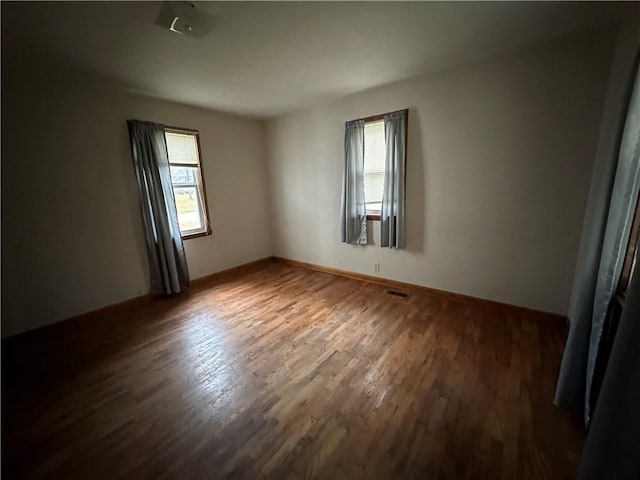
202 189
377 118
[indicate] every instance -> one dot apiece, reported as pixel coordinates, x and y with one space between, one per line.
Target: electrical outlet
376 267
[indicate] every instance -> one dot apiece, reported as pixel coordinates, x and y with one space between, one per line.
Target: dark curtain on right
612 449
617 204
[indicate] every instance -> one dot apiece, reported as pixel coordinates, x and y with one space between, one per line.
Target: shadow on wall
415 186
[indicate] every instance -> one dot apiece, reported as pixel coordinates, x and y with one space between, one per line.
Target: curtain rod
380 116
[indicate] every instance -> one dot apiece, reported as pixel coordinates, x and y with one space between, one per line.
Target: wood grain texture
283 372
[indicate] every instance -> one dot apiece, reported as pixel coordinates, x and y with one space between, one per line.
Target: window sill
196 235
375 217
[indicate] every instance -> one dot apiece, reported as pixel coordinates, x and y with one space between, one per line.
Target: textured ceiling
264 59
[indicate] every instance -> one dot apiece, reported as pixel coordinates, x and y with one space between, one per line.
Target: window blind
374 161
182 148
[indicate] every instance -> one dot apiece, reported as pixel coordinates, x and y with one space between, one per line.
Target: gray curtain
612 449
392 216
353 208
167 261
580 355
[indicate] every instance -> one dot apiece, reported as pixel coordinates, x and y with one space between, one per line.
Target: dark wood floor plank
288 373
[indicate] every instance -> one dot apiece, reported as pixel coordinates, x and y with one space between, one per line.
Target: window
188 182
374 178
374 166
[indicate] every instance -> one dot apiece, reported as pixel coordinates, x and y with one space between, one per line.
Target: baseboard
201 282
418 288
142 300
42 331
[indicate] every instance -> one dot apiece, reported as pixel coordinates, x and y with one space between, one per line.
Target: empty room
329 240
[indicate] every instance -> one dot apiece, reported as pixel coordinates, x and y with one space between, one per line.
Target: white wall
72 234
500 155
499 162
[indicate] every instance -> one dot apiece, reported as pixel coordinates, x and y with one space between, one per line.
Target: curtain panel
353 207
592 305
619 222
612 445
392 216
167 261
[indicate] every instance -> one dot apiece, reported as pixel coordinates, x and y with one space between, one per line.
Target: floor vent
397 294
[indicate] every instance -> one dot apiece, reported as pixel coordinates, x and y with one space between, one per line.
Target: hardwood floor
289 373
